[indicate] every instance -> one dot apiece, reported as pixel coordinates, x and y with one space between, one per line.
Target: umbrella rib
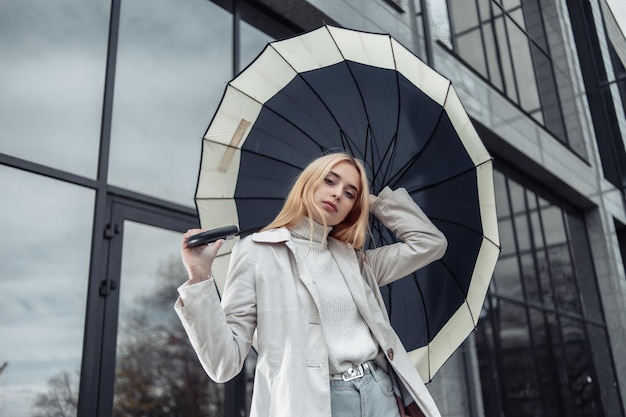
356 84
343 135
367 116
312 139
391 149
404 169
416 190
238 198
390 152
478 232
460 287
458 174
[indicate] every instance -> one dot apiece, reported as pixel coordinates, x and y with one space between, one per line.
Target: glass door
148 366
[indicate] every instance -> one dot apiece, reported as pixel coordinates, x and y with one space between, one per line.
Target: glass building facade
542 342
103 104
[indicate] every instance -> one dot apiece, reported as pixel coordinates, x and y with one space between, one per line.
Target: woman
305 284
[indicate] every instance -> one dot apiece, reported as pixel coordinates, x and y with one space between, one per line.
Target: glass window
502 199
52 78
549 359
516 194
507 236
529 275
544 278
45 244
534 220
507 278
510 5
465 16
552 221
508 71
523 65
583 269
518 17
521 393
174 59
563 280
484 7
470 45
509 48
535 354
491 53
439 20
523 233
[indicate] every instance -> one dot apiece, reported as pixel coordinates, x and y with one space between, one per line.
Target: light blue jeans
369 396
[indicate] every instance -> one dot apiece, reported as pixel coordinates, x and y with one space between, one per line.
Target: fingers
190 233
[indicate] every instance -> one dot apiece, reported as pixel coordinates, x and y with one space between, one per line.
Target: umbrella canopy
336 89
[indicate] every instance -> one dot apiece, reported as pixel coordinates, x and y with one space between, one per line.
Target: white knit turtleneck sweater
348 338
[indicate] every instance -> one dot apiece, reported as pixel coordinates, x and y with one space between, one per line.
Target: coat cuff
189 292
384 194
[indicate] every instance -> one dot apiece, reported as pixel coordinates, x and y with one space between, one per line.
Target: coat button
390 354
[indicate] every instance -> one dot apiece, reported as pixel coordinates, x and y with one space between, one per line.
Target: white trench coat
264 291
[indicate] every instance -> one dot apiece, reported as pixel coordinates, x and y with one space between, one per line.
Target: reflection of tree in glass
157 371
60 400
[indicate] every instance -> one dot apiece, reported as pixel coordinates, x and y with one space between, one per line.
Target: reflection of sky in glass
147 253
45 241
51 78
147 249
174 59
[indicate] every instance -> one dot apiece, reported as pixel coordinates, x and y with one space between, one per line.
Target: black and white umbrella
337 89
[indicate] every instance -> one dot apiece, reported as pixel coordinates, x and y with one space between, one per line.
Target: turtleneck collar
302 231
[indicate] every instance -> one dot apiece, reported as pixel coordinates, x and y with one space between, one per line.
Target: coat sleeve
420 241
221 332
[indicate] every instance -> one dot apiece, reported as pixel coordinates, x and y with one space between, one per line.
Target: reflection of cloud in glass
51 78
45 241
174 59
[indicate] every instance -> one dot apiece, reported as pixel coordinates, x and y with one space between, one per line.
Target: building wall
574 172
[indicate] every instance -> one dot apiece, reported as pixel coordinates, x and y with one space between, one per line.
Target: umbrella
337 89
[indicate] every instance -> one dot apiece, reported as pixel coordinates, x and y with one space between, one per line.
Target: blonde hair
299 202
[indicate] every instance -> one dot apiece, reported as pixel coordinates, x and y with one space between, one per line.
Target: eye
329 181
349 194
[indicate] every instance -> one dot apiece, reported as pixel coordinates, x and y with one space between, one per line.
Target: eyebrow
333 173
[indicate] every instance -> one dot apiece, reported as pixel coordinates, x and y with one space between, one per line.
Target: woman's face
336 195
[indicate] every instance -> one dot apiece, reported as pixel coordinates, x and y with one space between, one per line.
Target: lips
330 205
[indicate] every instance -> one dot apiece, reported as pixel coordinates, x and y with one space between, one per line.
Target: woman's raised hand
198 260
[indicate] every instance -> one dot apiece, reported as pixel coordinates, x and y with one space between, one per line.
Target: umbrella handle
213 235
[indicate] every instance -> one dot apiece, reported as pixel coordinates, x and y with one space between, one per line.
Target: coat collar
279 235
282 234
